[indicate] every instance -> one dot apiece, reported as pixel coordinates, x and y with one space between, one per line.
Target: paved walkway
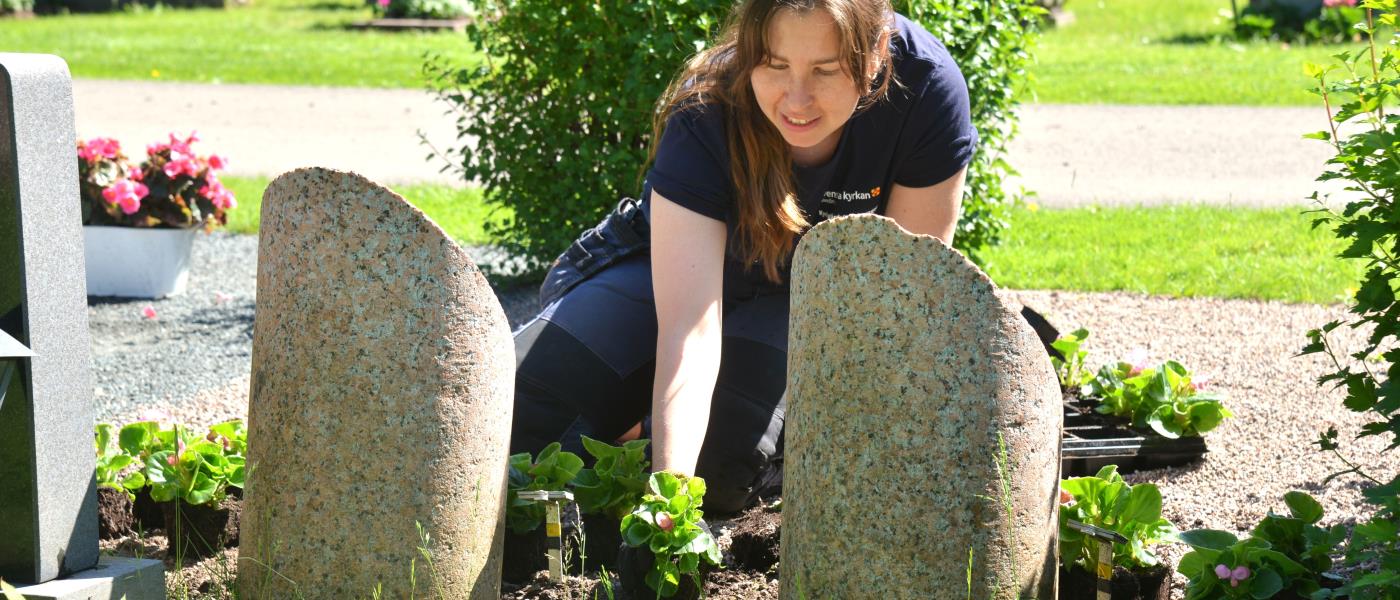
1070 154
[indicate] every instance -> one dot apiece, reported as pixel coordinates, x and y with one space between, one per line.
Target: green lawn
301 42
1166 52
1269 254
459 212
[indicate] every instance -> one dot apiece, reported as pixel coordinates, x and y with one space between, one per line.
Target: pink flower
1336 3
221 298
218 194
217 162
1200 382
179 166
183 146
136 175
1137 357
149 312
665 522
171 460
383 3
154 149
126 194
1235 576
96 148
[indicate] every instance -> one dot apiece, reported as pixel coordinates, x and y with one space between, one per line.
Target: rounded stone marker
907 372
382 385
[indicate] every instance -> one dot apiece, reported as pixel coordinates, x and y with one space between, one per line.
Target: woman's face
804 88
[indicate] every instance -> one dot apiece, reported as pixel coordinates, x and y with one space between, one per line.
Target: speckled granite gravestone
381 397
904 366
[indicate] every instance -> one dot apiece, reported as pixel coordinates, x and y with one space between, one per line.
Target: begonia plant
173 188
668 522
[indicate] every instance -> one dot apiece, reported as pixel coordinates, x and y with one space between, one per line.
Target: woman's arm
687 270
931 210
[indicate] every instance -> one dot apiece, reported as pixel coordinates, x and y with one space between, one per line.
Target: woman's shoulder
917 53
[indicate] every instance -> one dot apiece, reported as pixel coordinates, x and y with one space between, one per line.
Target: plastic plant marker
553 529
1103 565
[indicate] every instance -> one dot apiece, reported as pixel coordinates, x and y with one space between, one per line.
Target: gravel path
192 363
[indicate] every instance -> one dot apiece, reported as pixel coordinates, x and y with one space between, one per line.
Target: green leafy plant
1355 91
179 463
1108 502
668 522
11 7
562 108
617 481
552 470
114 464
1071 369
197 473
1283 552
1163 398
422 9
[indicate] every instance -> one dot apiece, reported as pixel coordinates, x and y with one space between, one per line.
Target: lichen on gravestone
908 372
381 396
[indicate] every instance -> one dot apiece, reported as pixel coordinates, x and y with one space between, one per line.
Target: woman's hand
687 267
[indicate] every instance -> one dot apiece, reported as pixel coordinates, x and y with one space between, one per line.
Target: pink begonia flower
218 163
1222 571
664 521
183 146
154 149
126 194
383 3
149 312
136 175
1336 3
218 194
171 460
179 166
96 148
1137 357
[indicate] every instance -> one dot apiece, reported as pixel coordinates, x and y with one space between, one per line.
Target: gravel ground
192 363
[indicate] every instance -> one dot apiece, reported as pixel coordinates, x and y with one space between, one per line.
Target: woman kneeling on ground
677 307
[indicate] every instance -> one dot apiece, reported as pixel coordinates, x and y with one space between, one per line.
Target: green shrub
1274 20
422 9
1359 89
10 7
562 108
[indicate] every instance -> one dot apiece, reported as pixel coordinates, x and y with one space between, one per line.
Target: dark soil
114 518
1148 584
203 531
753 543
147 512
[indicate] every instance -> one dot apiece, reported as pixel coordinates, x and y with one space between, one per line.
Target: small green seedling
1071 369
113 465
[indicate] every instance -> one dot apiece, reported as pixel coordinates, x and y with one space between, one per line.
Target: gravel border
191 364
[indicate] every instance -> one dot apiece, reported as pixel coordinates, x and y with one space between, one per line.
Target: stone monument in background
381 395
48 492
907 372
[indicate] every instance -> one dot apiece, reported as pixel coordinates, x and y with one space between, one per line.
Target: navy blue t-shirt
918 136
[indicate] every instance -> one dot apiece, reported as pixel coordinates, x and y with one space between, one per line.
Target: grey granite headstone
48 498
907 370
382 388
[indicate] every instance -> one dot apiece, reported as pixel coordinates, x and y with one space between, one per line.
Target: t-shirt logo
875 193
847 203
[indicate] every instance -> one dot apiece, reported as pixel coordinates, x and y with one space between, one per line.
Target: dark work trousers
586 364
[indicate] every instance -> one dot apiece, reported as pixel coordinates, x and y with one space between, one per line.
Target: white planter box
137 262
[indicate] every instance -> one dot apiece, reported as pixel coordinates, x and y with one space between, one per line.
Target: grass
1168 52
460 212
298 42
1181 251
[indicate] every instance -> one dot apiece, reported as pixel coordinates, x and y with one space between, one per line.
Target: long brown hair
760 161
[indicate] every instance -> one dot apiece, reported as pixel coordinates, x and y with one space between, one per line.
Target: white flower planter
137 262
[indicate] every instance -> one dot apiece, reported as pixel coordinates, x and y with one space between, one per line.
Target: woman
678 307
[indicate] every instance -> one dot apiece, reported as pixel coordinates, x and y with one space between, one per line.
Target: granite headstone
908 373
381 397
48 495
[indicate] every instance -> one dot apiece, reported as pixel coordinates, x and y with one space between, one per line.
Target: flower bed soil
1149 584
